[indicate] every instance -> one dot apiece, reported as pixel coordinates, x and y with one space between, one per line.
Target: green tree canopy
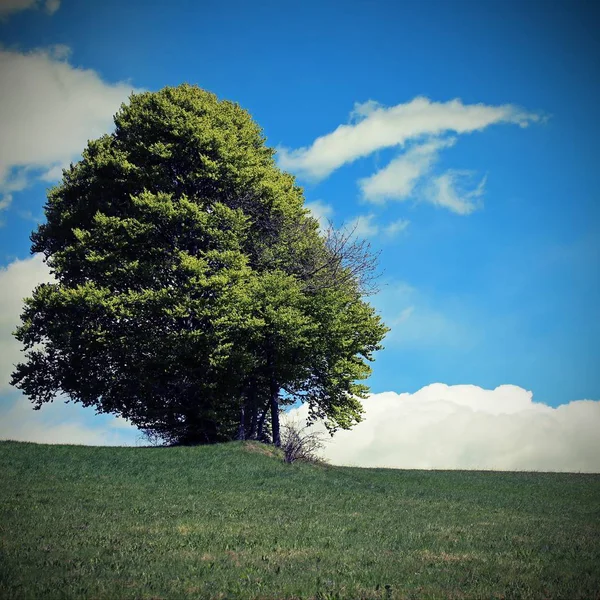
194 293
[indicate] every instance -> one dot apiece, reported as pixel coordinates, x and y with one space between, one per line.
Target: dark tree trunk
252 402
261 422
274 396
242 429
253 423
274 389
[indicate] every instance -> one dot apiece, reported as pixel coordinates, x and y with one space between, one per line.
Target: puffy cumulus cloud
49 109
468 427
380 127
56 423
60 423
17 281
8 7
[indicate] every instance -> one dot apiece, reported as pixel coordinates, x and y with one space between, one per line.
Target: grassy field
234 521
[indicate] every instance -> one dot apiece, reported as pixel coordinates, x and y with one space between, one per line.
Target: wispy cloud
365 226
48 111
449 190
396 227
418 321
52 6
384 127
321 211
468 427
16 182
397 180
5 201
8 7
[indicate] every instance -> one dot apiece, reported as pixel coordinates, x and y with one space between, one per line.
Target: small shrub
299 444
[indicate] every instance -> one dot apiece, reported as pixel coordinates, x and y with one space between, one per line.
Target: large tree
194 293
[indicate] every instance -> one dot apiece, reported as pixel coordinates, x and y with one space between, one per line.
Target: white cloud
15 183
5 201
468 427
52 6
363 226
8 7
397 180
364 109
49 109
321 211
53 174
17 281
404 315
380 127
60 423
448 190
57 422
395 227
418 325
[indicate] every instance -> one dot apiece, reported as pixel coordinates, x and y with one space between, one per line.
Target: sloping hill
234 521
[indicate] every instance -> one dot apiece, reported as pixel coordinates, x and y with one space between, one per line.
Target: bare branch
301 445
346 258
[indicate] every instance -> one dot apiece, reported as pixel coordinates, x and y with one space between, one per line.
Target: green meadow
234 521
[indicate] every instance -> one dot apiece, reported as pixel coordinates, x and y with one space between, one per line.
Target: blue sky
491 272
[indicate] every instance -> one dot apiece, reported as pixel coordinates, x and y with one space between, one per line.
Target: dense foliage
194 293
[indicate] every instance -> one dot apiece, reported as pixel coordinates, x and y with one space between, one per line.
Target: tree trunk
274 397
242 429
253 423
274 389
252 403
260 428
